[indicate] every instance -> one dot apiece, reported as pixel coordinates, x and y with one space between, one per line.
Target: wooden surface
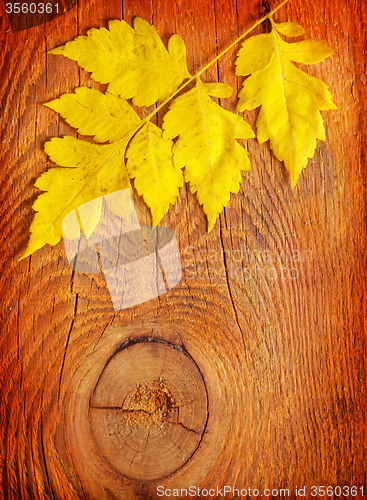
271 307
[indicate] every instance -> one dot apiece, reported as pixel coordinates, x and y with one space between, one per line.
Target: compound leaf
206 145
134 62
290 99
198 137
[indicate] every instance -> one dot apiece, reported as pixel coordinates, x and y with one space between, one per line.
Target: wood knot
150 406
149 409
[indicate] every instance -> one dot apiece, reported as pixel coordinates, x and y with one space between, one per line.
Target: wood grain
271 306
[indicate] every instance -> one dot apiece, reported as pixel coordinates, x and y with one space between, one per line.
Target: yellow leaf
105 116
120 204
134 62
92 171
290 99
149 162
206 146
289 29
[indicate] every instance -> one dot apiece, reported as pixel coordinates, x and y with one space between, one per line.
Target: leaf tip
50 104
211 222
293 178
156 218
24 256
32 246
56 50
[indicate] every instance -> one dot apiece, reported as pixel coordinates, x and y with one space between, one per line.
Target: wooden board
271 310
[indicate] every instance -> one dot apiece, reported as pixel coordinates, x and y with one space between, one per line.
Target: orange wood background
283 358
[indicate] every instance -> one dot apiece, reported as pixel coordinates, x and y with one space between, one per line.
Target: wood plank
271 307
